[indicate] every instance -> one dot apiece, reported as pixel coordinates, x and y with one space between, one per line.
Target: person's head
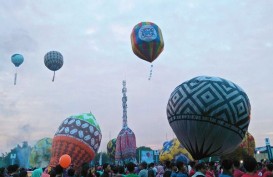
143 165
70 172
236 164
130 167
114 169
201 167
269 166
173 166
192 164
121 170
168 164
59 169
227 165
250 164
151 165
180 165
106 167
23 173
52 173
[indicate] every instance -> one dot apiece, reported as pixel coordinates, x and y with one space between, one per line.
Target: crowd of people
226 168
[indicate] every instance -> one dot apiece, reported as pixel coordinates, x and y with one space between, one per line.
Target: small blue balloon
17 59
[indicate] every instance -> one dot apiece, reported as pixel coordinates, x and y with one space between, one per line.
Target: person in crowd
151 171
250 165
106 170
160 171
269 169
210 171
201 169
71 172
37 172
227 166
182 170
191 168
237 172
143 170
131 169
168 169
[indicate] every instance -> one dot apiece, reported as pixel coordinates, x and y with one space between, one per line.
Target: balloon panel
204 107
53 60
17 59
41 153
147 41
111 148
77 136
173 150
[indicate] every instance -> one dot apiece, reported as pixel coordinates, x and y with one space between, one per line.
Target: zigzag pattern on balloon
208 99
53 60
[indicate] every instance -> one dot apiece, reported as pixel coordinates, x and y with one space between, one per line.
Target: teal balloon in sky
17 60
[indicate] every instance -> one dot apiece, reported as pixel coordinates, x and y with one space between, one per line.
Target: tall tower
124 104
126 140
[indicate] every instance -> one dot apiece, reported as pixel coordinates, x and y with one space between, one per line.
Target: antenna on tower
124 104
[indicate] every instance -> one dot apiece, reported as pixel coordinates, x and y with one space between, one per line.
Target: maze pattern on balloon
212 100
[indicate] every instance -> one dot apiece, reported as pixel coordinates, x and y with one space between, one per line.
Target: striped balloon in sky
147 41
53 61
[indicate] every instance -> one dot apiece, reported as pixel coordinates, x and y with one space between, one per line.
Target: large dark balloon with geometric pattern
54 61
79 136
209 115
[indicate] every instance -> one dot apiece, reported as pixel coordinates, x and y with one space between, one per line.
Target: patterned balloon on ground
174 150
111 148
54 61
201 109
41 153
79 136
246 148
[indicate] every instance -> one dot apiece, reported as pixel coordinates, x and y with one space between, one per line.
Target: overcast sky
226 38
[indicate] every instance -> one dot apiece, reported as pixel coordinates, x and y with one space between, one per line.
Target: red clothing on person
237 173
210 173
249 175
191 172
268 174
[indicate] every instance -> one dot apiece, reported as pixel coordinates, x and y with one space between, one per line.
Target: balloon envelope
174 150
111 148
41 153
53 60
147 41
17 59
209 115
79 136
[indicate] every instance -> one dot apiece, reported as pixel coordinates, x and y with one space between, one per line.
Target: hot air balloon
111 148
78 136
209 115
17 60
53 61
173 150
41 153
147 42
246 148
